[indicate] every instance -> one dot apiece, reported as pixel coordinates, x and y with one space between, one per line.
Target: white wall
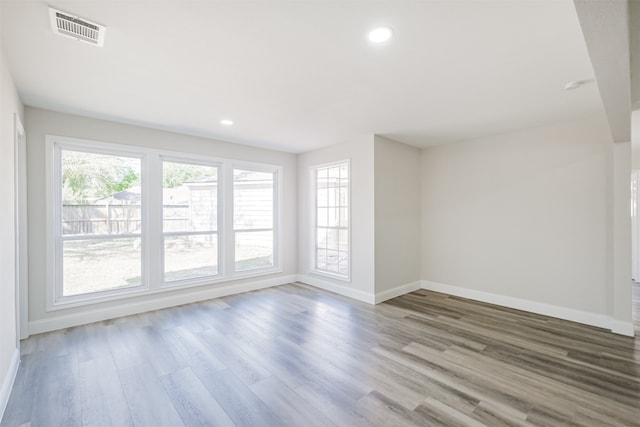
9 105
360 151
620 288
523 215
40 122
397 215
635 139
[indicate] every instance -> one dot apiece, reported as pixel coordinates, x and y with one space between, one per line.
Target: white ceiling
299 75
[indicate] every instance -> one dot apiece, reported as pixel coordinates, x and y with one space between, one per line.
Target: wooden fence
117 219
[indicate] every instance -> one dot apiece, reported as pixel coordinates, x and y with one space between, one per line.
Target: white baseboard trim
397 291
337 289
599 320
9 379
157 303
622 328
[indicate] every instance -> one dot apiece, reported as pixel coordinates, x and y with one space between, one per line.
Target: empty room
319 213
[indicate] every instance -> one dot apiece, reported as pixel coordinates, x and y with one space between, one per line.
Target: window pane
344 171
99 265
333 217
343 237
344 196
344 217
332 260
322 198
100 194
322 217
321 259
254 249
332 238
321 177
252 200
189 197
188 257
343 263
332 193
321 239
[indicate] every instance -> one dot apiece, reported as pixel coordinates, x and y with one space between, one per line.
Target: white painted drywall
635 139
9 105
360 153
620 292
397 214
634 53
42 122
605 28
524 214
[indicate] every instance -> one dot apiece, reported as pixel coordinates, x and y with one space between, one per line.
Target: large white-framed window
97 218
190 220
255 218
331 224
126 220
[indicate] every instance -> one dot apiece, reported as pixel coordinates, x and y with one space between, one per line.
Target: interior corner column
621 285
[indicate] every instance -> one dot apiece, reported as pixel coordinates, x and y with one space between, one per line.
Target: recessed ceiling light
380 35
226 122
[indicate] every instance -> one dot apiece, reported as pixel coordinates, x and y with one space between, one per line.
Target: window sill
330 275
139 291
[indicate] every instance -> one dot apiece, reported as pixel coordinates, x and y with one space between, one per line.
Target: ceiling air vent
80 29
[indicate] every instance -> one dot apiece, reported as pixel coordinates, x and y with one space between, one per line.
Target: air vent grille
77 28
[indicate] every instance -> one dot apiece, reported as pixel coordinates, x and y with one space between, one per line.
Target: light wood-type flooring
297 356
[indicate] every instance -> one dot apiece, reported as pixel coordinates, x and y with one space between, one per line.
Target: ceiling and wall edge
605 27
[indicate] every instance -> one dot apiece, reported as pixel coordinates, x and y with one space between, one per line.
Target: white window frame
313 228
55 238
220 185
152 247
277 220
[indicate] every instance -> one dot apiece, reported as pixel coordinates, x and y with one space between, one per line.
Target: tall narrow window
190 220
99 222
253 219
332 223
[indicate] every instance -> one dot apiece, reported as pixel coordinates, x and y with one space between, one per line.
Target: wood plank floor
297 356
